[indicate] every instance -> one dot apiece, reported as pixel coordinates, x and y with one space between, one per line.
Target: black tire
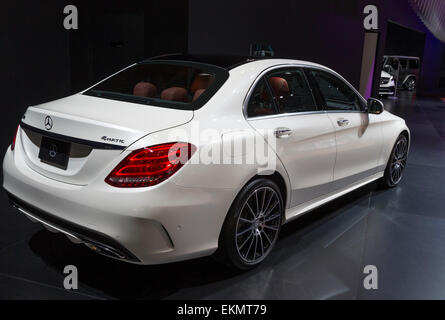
396 162
411 84
237 233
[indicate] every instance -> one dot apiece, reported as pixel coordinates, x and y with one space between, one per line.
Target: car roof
227 62
403 57
223 61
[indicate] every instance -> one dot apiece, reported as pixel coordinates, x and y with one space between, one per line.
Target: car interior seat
145 89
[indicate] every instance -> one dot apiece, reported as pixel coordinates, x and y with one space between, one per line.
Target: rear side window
414 64
291 91
336 93
261 102
170 84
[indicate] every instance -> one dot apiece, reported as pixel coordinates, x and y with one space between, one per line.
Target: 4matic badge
108 139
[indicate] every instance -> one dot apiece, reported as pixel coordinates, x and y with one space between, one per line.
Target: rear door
358 133
305 137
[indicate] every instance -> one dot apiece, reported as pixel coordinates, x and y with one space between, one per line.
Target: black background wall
308 30
113 34
41 61
34 59
404 41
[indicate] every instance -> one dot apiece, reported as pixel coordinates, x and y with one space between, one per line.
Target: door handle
282 132
342 122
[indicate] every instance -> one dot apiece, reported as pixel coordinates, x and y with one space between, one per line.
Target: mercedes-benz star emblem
53 151
48 123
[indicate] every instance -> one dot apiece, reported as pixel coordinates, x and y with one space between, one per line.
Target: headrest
198 93
144 89
175 94
279 86
201 81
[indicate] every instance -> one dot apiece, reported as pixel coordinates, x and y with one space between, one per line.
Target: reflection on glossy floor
319 256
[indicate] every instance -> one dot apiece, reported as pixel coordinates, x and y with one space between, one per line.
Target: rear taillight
15 137
150 166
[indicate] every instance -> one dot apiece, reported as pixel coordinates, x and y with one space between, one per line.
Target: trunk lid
96 129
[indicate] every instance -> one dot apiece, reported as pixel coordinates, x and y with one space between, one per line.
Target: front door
358 134
305 137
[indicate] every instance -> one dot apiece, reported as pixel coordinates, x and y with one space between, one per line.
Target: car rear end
72 166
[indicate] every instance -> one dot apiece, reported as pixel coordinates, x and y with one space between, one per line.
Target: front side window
403 63
394 63
170 84
336 93
291 91
261 102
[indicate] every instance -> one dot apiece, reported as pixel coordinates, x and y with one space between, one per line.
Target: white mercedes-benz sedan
179 157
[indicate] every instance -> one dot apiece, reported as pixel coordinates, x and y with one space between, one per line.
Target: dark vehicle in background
404 69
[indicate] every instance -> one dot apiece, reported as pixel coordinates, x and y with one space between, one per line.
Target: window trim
304 67
318 97
271 95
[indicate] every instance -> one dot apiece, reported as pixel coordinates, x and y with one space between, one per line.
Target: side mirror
375 106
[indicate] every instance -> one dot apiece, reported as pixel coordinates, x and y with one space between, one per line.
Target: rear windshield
169 84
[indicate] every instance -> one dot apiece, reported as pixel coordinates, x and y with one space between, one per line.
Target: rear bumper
77 234
154 225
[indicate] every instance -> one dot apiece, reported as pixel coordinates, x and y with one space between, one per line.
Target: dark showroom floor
319 256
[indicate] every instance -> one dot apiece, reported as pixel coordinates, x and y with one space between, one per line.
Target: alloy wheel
411 84
258 225
398 161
